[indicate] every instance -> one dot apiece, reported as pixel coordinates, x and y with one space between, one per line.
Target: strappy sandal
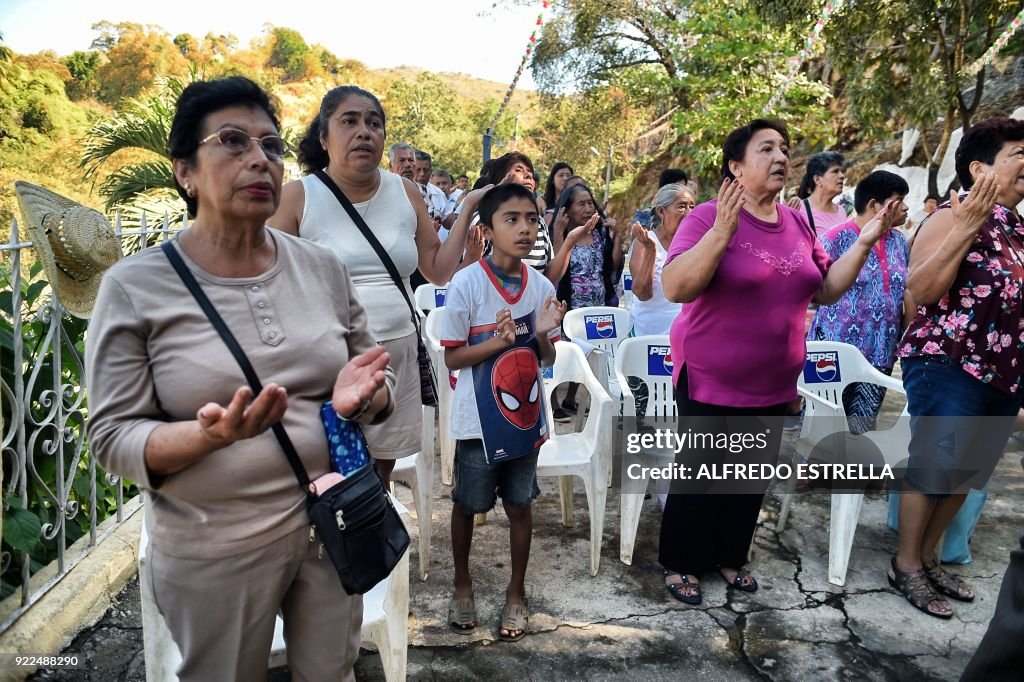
678 590
918 590
948 584
462 615
737 582
514 618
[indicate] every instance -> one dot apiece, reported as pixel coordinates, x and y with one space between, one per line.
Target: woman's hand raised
241 419
878 226
727 212
359 380
976 209
582 234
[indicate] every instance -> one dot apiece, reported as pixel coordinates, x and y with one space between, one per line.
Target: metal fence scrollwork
57 503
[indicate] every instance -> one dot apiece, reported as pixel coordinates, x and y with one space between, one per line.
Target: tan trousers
221 612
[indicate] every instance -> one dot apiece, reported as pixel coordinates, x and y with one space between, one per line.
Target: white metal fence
54 495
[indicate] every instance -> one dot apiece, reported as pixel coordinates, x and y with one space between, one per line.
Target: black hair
463 176
735 146
671 176
501 166
564 288
982 142
498 195
549 188
879 185
819 164
312 155
932 197
199 100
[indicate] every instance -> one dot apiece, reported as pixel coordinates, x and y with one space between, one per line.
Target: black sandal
677 590
738 583
918 590
947 584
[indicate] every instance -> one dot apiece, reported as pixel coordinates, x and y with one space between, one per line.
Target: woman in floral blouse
870 314
961 353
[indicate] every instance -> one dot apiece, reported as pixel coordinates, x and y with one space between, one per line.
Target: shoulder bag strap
243 361
389 264
810 216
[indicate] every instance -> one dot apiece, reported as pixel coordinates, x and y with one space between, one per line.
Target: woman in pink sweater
746 266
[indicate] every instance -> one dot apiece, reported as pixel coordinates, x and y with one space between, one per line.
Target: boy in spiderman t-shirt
500 322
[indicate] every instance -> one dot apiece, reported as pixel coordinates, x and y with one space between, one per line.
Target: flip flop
462 615
677 590
514 617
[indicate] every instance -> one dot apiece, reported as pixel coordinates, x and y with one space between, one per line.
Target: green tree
291 54
903 62
82 66
141 129
136 56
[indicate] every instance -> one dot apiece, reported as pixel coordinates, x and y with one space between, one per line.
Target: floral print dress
979 322
586 273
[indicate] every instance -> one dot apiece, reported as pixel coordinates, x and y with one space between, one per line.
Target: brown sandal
948 584
918 590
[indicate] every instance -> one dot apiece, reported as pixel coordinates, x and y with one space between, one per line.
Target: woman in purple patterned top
869 315
961 353
747 267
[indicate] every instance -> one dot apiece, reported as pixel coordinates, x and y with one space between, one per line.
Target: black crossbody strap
389 264
810 216
243 361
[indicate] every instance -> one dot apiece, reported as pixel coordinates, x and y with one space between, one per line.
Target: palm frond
129 182
144 123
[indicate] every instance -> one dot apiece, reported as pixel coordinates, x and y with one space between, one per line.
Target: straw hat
76 244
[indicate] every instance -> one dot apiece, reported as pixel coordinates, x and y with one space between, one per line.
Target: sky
472 36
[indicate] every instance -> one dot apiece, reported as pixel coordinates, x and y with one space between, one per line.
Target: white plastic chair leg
787 498
843 525
393 631
161 653
630 508
447 443
423 494
565 495
597 498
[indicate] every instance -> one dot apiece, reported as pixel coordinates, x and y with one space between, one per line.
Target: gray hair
395 147
664 198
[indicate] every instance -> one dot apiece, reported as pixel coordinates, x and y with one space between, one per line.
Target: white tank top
393 220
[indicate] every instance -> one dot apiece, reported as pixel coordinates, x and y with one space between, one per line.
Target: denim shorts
959 426
477 482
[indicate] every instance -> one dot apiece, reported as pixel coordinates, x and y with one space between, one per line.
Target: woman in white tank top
346 140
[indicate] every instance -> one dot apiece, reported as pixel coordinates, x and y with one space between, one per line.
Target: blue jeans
478 482
958 425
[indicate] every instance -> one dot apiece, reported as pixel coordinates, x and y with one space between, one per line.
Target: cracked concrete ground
622 624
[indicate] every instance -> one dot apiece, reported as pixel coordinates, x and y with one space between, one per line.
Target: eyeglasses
238 142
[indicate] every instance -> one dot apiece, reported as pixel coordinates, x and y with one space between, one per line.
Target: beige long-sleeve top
153 357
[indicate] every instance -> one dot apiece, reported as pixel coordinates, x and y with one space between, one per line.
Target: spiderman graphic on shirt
509 394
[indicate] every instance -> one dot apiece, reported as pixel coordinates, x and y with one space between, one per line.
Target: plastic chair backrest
650 359
429 296
603 327
432 332
570 365
831 366
432 325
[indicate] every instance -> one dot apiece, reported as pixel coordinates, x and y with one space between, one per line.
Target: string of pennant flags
522 63
805 51
990 54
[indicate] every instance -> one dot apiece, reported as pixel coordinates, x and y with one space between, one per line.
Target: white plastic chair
385 619
831 367
650 359
445 393
603 327
586 454
417 472
429 296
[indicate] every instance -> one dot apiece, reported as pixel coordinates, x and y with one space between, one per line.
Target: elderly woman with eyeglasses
230 540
